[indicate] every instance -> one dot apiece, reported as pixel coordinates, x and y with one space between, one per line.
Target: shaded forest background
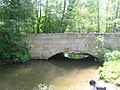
60 16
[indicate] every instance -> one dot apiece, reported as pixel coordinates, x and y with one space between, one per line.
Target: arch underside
61 54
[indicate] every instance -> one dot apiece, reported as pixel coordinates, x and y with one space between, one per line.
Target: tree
18 15
38 14
16 18
51 19
117 16
56 16
62 18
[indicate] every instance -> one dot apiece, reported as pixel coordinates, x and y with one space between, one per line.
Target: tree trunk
38 17
116 16
63 15
46 14
98 16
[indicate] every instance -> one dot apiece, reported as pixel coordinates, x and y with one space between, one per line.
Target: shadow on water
67 63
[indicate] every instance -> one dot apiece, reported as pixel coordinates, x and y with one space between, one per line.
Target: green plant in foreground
110 72
112 56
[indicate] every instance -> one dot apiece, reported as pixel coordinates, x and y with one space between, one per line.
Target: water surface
55 74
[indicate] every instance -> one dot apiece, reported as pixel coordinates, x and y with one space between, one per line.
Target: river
48 75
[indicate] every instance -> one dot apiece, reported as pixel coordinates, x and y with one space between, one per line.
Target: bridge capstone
44 46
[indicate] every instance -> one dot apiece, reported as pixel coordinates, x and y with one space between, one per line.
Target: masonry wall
45 45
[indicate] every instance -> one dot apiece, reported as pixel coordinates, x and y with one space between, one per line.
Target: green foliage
100 48
13 48
64 16
52 24
112 56
17 15
49 17
110 72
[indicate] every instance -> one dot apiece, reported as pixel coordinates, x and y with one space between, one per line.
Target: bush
13 48
101 49
112 56
110 71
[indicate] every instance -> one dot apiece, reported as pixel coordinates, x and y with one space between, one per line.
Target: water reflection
61 74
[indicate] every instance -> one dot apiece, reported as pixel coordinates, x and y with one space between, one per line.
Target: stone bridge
44 46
